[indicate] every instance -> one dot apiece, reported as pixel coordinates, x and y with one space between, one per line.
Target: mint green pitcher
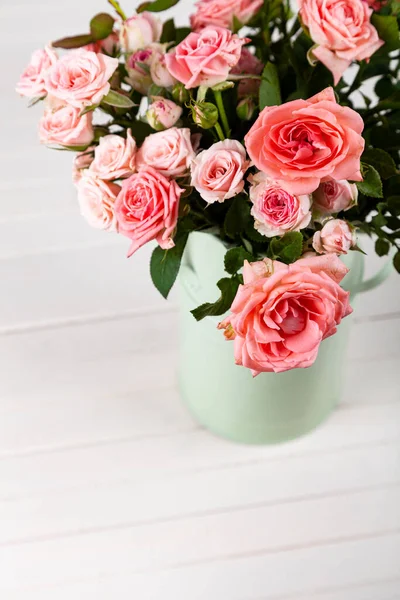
224 397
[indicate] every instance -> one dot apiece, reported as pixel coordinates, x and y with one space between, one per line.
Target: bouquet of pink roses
241 126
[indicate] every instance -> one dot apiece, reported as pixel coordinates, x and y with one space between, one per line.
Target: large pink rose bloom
147 209
170 152
64 126
282 313
80 77
342 31
114 157
217 173
304 142
205 57
275 210
31 83
96 200
222 12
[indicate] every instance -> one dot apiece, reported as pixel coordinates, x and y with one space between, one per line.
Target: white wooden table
108 489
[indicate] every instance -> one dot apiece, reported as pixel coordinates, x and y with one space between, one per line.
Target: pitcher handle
375 280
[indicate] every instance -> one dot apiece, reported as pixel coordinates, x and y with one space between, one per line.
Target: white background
108 489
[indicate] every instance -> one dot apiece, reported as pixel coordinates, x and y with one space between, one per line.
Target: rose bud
138 68
204 114
158 70
333 196
163 113
336 236
139 31
180 93
245 109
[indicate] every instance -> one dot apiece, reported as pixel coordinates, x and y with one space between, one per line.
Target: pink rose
335 236
304 142
81 162
65 126
147 209
31 83
97 201
342 31
114 157
170 152
283 312
138 77
217 173
206 57
140 31
275 210
248 65
109 45
158 68
163 113
333 196
222 12
80 77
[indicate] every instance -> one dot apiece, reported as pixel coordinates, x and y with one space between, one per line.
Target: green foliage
396 261
118 100
157 5
237 217
234 259
381 161
288 248
388 31
168 32
382 247
76 41
228 287
101 26
270 93
165 265
372 184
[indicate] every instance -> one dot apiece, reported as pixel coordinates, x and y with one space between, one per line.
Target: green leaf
101 26
372 184
237 216
379 220
157 5
77 41
388 30
396 261
88 109
168 32
381 161
140 130
182 33
234 259
228 287
287 248
270 93
224 85
34 101
382 247
118 100
165 265
393 203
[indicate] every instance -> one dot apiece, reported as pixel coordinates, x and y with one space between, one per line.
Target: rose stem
218 129
222 113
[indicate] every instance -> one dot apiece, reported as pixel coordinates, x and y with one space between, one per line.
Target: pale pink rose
169 151
109 45
275 210
158 68
333 196
342 31
283 312
218 173
81 162
97 201
114 157
248 65
81 77
335 236
222 12
64 126
31 82
163 113
138 74
205 57
147 209
140 31
304 142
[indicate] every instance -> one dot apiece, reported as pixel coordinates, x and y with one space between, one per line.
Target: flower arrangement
241 126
